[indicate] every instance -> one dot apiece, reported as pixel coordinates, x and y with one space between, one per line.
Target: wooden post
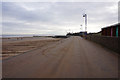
117 31
111 32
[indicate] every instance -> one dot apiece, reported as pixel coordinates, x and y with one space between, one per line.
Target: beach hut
113 30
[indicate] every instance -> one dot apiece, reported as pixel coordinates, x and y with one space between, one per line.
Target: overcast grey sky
56 17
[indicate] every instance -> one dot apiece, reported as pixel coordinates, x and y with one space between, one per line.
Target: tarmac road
73 57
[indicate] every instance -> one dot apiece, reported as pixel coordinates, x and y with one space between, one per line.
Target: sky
56 18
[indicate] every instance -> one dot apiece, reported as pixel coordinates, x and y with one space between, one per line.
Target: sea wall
112 43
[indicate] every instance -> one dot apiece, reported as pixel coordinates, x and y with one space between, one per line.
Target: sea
25 35
7 36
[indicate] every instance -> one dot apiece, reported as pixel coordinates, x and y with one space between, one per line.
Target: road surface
73 57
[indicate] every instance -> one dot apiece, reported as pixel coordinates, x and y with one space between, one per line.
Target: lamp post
80 27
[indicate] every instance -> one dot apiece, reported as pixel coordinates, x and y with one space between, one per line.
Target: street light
81 27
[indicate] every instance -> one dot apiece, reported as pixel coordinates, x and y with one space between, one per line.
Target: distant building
83 33
113 30
98 33
77 34
59 36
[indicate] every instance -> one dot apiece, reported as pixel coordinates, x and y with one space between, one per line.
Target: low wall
112 43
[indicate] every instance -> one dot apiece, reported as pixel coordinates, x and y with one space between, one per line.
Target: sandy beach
19 45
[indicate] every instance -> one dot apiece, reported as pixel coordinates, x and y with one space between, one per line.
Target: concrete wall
112 43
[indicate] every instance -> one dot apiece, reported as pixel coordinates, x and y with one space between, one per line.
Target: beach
18 45
72 57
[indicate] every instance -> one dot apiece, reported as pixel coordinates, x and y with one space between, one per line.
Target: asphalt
73 57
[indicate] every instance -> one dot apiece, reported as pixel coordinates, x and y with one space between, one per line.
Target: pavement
72 57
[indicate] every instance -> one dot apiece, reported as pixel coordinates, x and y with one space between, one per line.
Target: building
59 36
113 30
77 34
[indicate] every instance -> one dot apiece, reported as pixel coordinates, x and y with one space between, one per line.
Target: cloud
57 17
